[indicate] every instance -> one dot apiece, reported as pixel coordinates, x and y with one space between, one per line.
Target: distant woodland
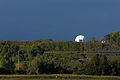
100 57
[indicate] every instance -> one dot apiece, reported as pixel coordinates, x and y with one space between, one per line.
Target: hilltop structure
79 38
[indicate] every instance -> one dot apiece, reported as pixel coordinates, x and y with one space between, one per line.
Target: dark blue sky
58 19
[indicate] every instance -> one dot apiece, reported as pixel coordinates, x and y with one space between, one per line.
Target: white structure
79 38
102 41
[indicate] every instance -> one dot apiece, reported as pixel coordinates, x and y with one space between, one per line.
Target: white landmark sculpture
79 38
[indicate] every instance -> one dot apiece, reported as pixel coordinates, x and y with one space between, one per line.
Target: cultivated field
57 77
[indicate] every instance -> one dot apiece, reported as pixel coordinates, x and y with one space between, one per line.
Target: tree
35 66
113 37
104 66
36 50
93 39
98 65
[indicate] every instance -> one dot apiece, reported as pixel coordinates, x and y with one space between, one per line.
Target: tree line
30 57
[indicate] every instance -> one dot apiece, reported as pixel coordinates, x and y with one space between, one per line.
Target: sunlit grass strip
60 52
61 76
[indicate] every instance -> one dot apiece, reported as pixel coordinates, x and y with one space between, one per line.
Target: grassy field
57 77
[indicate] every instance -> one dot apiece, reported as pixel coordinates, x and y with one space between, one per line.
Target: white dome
79 38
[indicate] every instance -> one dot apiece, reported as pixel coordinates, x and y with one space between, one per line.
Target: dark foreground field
57 77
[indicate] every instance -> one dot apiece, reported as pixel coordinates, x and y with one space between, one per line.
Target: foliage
113 37
61 57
